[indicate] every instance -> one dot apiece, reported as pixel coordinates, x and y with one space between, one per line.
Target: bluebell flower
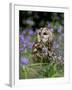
24 60
30 45
21 39
55 45
24 32
26 41
60 29
25 45
31 32
21 49
51 29
49 25
28 38
59 18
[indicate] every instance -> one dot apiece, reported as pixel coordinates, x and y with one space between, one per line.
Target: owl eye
44 33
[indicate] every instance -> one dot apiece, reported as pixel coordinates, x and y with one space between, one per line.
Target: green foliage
42 70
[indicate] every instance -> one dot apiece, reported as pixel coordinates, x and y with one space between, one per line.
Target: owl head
44 35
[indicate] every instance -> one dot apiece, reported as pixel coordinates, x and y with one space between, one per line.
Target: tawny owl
46 36
43 47
42 50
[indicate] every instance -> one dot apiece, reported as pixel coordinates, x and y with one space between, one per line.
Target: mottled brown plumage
44 41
